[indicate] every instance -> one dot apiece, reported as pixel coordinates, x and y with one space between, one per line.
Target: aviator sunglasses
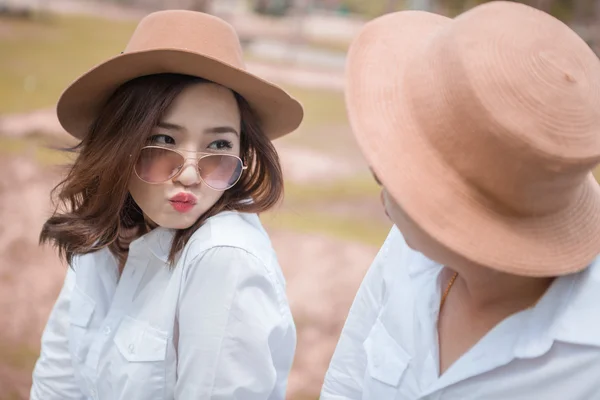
160 164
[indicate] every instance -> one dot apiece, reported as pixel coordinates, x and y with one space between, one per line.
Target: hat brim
78 106
439 201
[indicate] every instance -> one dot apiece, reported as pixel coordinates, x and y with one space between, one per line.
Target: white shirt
388 348
216 326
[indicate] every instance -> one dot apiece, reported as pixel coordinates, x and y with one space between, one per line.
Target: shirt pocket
81 311
386 364
143 351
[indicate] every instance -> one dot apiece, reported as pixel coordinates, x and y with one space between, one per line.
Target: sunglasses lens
220 172
157 165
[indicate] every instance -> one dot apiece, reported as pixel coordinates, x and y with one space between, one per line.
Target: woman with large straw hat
173 290
483 131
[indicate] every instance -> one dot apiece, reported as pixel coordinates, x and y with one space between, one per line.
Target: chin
185 225
409 244
183 222
178 221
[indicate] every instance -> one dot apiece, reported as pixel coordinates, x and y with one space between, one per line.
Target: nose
189 176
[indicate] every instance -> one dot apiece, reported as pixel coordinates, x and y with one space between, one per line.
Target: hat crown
513 108
189 31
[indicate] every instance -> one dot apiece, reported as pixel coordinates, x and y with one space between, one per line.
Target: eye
221 145
161 139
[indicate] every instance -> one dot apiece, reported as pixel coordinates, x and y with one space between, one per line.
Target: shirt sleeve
53 375
236 335
346 372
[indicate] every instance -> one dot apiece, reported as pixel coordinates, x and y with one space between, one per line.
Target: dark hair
93 206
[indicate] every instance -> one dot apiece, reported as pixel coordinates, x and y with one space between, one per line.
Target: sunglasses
160 164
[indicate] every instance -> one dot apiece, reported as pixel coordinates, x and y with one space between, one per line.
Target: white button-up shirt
389 350
216 326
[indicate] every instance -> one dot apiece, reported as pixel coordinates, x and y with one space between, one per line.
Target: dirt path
322 274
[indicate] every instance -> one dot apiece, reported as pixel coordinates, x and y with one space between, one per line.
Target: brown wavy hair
93 206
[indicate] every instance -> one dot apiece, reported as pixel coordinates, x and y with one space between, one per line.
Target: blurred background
330 225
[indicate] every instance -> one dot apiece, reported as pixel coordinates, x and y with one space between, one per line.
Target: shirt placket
127 286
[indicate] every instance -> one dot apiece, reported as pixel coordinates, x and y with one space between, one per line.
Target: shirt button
131 348
107 330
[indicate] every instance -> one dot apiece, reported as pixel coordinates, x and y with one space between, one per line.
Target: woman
174 291
483 131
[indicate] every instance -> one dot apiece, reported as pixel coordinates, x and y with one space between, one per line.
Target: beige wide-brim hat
183 42
484 129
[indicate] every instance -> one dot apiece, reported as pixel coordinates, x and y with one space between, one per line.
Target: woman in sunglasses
173 290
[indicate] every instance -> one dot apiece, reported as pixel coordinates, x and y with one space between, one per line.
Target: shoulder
232 238
397 266
233 250
88 266
231 229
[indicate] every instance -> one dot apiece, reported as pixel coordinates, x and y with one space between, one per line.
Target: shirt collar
567 312
158 241
578 321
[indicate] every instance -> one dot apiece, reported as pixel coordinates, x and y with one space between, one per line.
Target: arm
344 378
236 335
53 375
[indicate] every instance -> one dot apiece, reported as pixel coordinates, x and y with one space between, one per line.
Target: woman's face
203 119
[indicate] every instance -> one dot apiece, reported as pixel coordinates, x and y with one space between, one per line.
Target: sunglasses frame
185 160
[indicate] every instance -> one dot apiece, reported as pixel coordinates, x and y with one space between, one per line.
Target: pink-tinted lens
220 171
156 165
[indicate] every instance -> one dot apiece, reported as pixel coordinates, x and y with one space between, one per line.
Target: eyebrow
222 129
169 126
214 130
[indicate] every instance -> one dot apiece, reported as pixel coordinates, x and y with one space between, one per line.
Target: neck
484 288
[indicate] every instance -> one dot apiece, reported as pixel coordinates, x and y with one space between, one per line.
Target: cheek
148 197
207 199
153 201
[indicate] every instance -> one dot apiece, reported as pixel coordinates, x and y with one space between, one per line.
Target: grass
18 356
44 56
36 148
335 46
41 57
321 107
300 213
310 208
347 228
358 187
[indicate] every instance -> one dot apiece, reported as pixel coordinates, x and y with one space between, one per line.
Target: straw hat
184 42
484 129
